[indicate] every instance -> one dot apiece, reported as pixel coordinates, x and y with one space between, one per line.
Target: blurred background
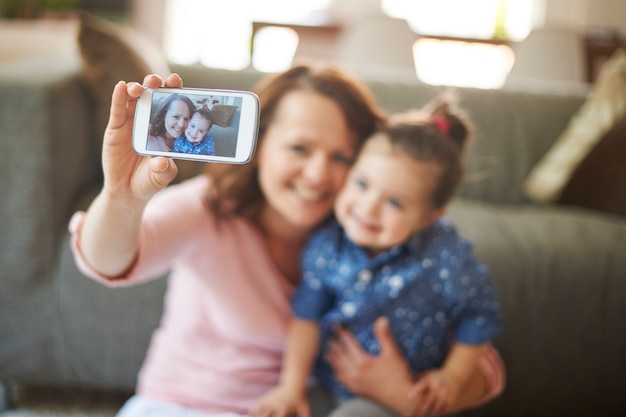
478 43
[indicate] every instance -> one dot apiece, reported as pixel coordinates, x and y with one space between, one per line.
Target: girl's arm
301 351
110 232
289 397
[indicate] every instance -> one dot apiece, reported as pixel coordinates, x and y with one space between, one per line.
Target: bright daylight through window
217 34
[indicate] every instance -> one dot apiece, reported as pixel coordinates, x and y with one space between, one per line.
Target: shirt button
365 275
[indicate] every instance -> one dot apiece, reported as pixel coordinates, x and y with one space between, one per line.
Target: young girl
393 253
197 139
169 122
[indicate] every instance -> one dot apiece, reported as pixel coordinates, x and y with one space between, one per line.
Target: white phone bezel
246 134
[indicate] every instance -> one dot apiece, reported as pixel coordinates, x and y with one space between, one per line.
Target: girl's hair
157 123
237 186
206 113
438 133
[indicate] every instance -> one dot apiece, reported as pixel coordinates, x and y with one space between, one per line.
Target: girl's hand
384 378
282 402
127 174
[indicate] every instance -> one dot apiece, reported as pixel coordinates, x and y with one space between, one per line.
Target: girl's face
197 129
176 119
386 197
303 160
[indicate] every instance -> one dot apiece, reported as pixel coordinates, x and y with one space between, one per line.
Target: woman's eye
343 159
298 148
361 184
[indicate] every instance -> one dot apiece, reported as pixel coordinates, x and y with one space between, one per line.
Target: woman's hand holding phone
126 174
110 232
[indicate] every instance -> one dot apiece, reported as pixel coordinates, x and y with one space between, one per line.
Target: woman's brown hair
157 123
237 186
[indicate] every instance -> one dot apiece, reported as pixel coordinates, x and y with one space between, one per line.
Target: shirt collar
411 245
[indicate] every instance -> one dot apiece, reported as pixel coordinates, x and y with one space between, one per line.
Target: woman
231 238
169 122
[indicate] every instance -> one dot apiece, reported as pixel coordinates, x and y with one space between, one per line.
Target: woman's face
176 119
304 159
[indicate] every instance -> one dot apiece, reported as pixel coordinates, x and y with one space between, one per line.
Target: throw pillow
222 114
605 105
111 53
599 181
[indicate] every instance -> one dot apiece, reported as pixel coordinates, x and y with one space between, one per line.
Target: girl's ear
434 216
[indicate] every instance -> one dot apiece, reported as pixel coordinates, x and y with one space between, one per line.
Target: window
218 34
477 19
445 60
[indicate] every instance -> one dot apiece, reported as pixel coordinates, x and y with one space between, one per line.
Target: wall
611 13
582 14
149 17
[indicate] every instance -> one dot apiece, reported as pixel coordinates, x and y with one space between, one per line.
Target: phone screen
197 124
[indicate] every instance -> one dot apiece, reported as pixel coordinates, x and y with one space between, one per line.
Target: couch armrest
48 149
559 272
48 157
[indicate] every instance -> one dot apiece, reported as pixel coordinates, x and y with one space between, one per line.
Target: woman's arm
386 377
110 232
452 387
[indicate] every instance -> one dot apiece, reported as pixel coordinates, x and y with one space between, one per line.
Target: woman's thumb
382 331
163 170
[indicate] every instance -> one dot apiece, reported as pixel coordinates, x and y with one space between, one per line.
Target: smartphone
197 124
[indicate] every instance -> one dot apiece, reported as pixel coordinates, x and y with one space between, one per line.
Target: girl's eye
395 203
361 184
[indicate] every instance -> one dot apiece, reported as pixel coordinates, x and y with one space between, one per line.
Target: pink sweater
221 337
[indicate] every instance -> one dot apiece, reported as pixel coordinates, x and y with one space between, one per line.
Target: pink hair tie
442 124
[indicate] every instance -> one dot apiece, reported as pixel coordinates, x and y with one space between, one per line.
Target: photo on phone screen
197 124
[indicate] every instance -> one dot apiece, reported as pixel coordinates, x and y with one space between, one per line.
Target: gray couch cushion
46 160
560 291
101 333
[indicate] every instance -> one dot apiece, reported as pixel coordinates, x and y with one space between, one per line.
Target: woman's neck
169 140
284 243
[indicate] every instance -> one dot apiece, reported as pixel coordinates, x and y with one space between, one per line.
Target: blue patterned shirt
431 288
205 147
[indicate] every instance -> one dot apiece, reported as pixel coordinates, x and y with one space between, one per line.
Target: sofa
559 269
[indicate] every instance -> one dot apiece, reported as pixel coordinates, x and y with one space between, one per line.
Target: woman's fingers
155 81
152 81
348 343
135 89
174 81
119 98
382 332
